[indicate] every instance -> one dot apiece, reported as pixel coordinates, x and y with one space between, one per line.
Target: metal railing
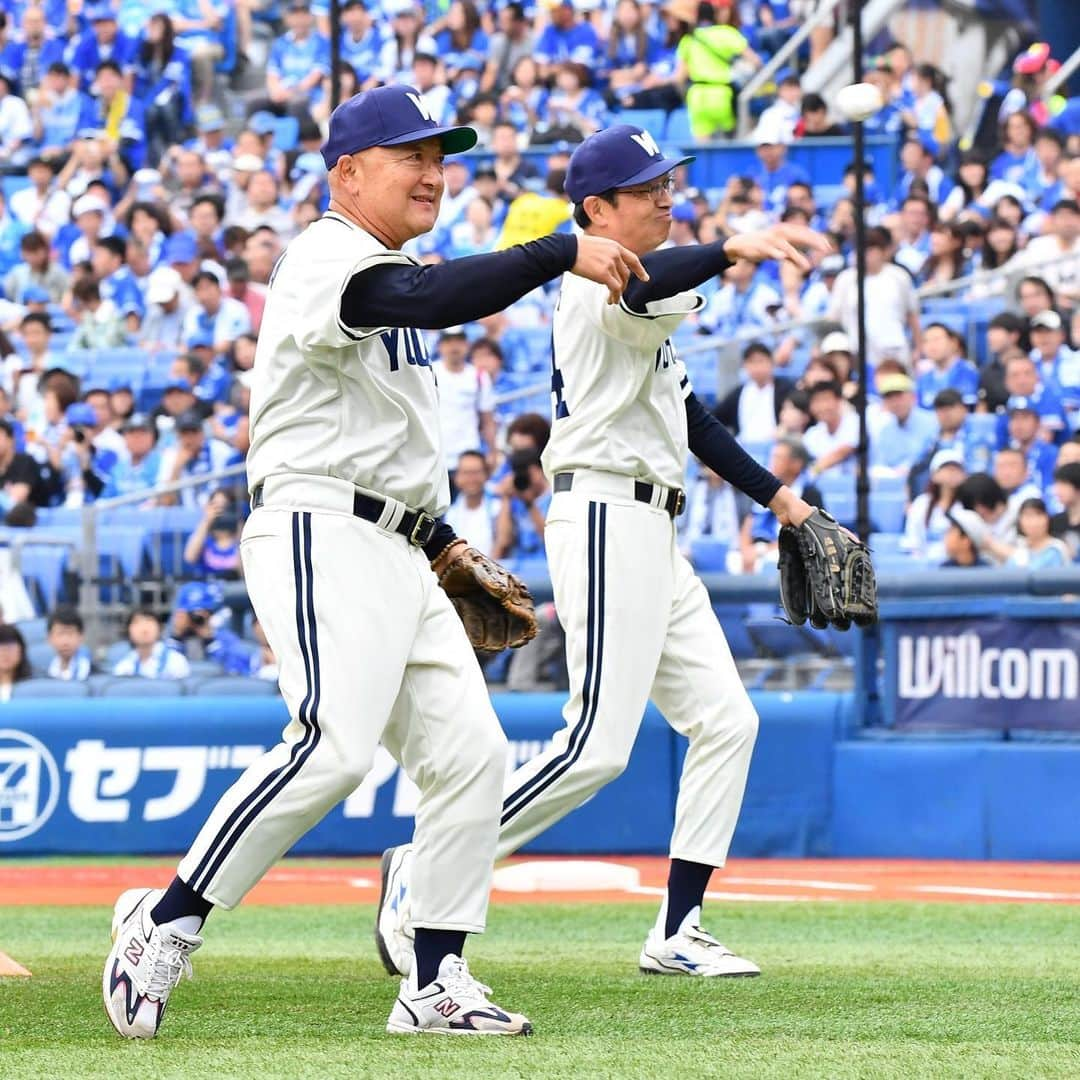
766 72
1061 76
91 604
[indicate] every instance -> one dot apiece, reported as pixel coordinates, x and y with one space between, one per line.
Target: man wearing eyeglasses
639 623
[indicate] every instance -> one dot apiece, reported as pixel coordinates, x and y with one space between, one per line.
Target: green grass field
849 990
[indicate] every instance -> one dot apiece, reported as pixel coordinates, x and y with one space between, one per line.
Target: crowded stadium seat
49 688
732 617
838 491
40 655
115 653
135 686
205 669
881 543
32 630
231 686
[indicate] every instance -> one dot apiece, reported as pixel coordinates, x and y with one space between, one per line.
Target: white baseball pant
639 625
370 650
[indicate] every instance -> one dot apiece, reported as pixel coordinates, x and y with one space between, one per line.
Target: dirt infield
349 881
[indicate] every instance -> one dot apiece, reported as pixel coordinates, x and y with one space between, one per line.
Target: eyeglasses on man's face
653 191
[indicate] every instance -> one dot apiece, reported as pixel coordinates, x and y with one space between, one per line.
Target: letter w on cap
644 140
422 108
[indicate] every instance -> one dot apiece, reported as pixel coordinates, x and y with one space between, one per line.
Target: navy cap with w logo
617 157
388 116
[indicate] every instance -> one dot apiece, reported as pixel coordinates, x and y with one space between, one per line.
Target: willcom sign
986 673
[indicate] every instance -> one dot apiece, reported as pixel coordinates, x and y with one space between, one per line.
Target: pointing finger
635 265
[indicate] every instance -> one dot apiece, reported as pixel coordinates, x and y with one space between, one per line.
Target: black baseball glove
826 575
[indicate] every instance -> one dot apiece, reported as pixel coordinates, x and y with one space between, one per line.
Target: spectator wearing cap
944 367
102 41
566 37
193 455
177 399
150 657
90 214
139 469
83 464
965 529
890 296
213 549
744 303
35 272
116 281
918 159
1004 332
99 324
1066 491
1022 380
684 225
212 143
905 432
16 127
955 432
55 112
1023 425
198 628
1058 365
166 310
466 399
1056 254
41 206
241 289
926 520
752 410
214 316
834 436
298 61
774 173
181 253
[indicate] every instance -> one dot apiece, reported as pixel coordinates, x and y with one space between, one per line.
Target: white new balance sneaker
453 1004
691 951
144 966
393 935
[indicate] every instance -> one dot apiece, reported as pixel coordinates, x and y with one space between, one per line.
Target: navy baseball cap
388 116
79 414
618 157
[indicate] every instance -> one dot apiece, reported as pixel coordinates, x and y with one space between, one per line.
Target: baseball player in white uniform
347 478
638 621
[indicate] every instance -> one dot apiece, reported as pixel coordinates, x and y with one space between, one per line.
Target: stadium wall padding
139 776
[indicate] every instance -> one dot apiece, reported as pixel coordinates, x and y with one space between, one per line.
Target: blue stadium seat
40 654
732 619
709 555
652 120
838 491
232 686
49 688
759 451
887 511
884 543
32 630
44 565
133 686
827 195
115 653
678 127
11 184
205 669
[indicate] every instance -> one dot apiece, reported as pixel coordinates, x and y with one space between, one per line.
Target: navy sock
686 885
429 949
180 899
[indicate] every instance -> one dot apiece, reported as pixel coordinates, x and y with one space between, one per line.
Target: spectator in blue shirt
163 83
1022 380
362 43
913 239
28 57
566 37
121 116
461 36
775 173
202 28
630 53
948 369
918 155
56 112
1017 162
116 282
574 111
298 61
1023 434
103 41
906 432
526 497
139 470
1057 364
198 629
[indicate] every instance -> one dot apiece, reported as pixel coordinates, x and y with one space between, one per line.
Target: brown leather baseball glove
494 606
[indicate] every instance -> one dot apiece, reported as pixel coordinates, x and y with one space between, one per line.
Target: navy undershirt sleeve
674 270
455 292
442 536
716 446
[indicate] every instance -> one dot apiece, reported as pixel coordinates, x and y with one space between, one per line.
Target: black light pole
335 54
862 479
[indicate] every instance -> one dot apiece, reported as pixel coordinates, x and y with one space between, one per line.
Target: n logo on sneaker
447 1007
133 953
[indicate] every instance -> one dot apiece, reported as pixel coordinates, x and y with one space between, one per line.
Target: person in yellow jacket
710 52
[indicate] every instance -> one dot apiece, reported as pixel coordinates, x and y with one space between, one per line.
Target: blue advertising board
983 673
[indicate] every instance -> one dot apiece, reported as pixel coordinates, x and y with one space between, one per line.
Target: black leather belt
416 526
644 492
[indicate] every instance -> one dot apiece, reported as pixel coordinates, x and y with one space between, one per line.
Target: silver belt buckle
423 530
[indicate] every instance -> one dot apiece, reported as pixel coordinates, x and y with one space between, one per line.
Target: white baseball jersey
618 387
331 400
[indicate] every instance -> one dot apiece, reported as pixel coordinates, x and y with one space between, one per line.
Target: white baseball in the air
859 100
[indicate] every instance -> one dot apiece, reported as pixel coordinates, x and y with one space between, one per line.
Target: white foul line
1013 894
655 890
803 883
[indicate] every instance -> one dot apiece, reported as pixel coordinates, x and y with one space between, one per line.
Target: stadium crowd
147 197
